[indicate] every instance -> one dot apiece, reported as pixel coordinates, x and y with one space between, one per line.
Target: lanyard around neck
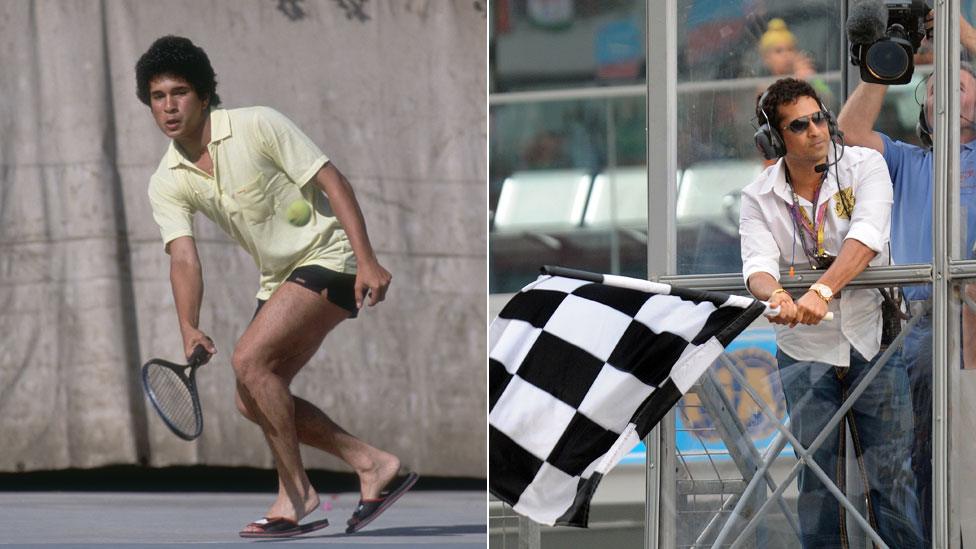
812 228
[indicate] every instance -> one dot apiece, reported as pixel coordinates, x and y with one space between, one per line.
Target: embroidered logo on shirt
840 204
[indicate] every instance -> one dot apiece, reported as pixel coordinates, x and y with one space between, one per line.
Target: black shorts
341 286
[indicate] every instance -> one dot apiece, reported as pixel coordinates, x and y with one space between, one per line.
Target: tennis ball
298 213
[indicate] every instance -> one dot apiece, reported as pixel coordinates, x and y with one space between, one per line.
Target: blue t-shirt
910 167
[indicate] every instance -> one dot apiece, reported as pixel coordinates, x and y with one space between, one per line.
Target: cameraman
835 219
911 172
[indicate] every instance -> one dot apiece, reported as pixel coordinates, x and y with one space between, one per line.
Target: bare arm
370 275
967 34
762 285
186 278
859 114
852 260
810 309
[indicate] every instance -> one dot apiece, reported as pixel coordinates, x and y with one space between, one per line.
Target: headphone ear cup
769 144
923 130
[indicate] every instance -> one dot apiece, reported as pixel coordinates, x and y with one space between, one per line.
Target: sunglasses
801 124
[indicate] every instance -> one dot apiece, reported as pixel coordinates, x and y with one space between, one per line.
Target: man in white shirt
826 206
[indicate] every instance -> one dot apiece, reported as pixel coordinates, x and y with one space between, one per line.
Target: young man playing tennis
243 168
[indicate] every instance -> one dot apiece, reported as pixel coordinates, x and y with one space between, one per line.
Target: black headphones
768 139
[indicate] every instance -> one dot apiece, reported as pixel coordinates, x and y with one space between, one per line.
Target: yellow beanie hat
777 35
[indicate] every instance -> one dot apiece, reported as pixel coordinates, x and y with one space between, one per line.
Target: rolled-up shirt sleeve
871 219
759 251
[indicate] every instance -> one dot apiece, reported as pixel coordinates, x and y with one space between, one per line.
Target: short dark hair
180 57
782 92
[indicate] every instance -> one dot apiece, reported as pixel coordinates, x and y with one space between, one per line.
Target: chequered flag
581 371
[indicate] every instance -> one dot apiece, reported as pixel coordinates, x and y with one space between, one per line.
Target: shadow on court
413 531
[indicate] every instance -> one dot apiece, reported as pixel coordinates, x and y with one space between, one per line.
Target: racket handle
199 356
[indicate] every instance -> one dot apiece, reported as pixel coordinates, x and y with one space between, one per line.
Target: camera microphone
867 22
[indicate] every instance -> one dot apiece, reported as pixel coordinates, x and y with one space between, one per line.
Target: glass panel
724 435
962 416
962 393
965 231
567 186
723 48
728 54
538 44
910 164
743 38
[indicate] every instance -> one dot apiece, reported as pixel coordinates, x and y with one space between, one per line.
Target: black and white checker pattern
579 372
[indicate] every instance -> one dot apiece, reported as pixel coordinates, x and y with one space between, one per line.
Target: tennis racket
172 389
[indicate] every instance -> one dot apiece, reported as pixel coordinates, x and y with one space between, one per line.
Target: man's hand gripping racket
172 389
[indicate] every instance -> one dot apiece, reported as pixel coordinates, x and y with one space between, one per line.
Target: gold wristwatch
823 291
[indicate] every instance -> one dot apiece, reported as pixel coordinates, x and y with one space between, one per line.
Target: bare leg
265 361
374 467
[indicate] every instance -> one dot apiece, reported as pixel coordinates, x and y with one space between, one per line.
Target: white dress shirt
771 243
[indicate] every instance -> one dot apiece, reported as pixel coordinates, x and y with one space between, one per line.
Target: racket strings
174 399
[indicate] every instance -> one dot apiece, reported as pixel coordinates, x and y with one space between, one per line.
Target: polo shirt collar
219 130
219 125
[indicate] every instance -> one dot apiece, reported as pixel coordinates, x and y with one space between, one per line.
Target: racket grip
199 356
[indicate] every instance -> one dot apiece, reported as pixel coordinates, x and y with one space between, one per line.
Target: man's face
811 142
178 110
967 105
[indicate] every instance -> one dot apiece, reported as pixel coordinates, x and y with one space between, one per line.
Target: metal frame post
945 187
662 77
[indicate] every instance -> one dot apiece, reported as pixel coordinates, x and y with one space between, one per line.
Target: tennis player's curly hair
177 56
782 92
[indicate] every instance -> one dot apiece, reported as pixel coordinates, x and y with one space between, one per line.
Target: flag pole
633 284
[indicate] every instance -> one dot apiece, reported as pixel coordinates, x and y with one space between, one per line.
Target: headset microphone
837 137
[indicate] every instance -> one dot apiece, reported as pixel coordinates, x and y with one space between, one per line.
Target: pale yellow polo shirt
262 163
